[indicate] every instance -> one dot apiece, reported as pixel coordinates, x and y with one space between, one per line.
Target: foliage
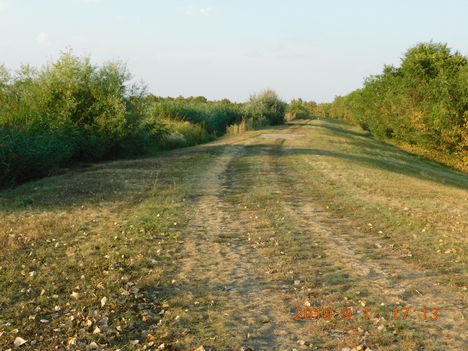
182 134
423 102
245 125
72 110
267 106
24 152
298 108
213 116
69 110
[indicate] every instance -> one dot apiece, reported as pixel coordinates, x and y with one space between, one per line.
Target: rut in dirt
222 275
221 267
388 276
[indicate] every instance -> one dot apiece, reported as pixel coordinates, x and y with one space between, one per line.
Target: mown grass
111 232
414 204
298 255
90 256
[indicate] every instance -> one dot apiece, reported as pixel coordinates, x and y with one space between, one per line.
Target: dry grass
95 233
191 248
417 203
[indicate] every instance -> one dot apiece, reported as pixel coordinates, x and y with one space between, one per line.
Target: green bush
423 102
69 111
214 117
182 134
245 125
298 108
267 105
25 155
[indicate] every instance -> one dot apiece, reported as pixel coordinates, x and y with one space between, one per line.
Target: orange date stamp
399 313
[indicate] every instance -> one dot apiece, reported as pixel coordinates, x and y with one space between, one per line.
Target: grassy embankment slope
217 244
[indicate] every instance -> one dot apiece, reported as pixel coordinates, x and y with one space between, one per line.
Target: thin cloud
191 11
90 1
41 38
207 11
187 10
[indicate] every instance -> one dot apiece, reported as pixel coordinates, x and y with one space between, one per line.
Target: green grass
401 195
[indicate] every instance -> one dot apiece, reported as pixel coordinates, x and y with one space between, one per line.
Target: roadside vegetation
216 246
74 111
68 111
422 104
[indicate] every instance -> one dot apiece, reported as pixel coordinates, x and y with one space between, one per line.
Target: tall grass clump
187 118
182 134
262 109
245 125
214 117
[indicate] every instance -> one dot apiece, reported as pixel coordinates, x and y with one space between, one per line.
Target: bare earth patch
279 136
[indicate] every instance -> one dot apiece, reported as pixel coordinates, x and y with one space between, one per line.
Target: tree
298 108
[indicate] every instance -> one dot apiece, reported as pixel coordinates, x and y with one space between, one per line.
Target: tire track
245 304
388 276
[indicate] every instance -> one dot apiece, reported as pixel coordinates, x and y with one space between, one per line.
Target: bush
424 102
182 134
68 111
245 125
25 155
72 110
203 120
267 106
297 109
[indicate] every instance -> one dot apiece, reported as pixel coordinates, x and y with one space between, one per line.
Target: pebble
19 341
103 301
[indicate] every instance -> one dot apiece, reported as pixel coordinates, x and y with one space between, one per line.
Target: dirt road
309 236
242 265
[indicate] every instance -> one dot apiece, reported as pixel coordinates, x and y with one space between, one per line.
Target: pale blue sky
219 48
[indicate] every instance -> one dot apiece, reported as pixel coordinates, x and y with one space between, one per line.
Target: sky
315 49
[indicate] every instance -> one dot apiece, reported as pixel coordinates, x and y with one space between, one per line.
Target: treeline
194 120
299 108
72 110
265 108
421 103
